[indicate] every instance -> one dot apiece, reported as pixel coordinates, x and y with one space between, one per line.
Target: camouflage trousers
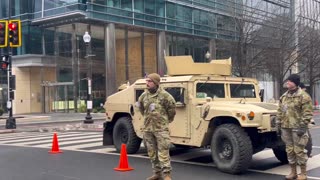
295 146
158 144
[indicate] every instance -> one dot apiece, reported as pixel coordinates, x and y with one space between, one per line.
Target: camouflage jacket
158 110
295 110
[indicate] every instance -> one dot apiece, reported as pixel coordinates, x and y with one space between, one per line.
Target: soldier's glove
301 131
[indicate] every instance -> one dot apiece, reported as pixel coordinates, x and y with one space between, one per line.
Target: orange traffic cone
123 162
55 145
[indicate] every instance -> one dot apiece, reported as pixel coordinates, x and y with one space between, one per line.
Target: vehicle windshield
213 90
242 90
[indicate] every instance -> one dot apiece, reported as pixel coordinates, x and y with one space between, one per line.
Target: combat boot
303 174
293 173
155 176
167 176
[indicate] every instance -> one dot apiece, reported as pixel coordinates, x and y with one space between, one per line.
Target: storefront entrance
58 97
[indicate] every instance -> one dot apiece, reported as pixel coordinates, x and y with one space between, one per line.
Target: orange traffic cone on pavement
123 162
55 146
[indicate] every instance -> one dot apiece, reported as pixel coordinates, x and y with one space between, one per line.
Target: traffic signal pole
11 121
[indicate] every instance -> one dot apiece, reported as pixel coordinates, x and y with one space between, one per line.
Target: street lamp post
87 39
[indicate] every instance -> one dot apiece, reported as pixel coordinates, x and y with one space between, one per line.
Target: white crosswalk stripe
92 142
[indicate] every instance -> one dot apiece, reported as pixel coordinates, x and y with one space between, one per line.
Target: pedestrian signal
4 63
3 33
15 33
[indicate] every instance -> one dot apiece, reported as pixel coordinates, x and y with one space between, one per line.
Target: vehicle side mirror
261 94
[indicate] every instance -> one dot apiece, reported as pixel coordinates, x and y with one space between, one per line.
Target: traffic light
4 63
3 33
15 33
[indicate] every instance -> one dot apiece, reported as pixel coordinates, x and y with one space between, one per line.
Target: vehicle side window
213 90
176 93
138 93
242 90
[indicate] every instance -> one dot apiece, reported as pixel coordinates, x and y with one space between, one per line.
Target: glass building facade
129 38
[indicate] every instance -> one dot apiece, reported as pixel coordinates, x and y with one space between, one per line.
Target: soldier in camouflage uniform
309 144
158 108
294 115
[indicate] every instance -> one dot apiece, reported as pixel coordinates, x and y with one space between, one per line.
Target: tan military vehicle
213 109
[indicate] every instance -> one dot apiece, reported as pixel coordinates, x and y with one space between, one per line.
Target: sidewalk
37 120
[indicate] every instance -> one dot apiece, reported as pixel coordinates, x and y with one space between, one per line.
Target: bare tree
310 65
257 33
269 42
247 51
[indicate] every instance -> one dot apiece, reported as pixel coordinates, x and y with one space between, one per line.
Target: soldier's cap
295 78
155 78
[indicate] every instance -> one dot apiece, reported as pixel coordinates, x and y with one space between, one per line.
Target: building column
75 68
56 51
161 53
212 49
110 58
42 88
142 56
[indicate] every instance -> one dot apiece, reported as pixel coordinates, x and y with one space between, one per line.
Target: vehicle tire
123 133
231 149
281 154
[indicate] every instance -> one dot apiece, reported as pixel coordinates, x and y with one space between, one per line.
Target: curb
52 122
6 131
65 127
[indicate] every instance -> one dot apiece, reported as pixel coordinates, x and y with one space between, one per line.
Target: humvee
213 110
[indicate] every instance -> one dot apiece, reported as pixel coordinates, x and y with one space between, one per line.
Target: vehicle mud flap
107 134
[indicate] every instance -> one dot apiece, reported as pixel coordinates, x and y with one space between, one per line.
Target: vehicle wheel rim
123 135
225 149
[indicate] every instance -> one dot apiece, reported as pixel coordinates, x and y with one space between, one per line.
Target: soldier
309 144
158 108
303 87
294 115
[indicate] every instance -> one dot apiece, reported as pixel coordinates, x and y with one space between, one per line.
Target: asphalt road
25 163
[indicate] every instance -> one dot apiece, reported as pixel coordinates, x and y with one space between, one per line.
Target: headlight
250 115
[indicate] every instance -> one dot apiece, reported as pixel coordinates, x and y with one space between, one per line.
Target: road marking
83 145
268 153
103 150
79 141
37 134
60 139
311 177
313 162
36 137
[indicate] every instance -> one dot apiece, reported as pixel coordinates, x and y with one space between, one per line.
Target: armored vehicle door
205 91
180 127
137 116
